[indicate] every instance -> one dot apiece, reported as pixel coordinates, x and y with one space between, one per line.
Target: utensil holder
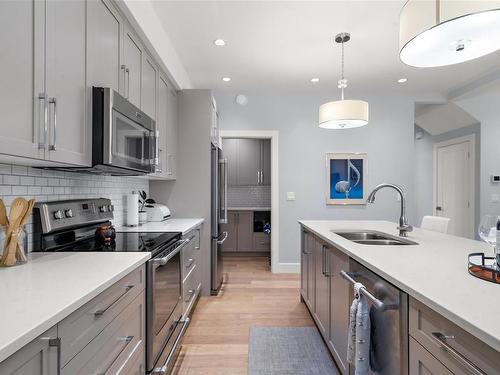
20 248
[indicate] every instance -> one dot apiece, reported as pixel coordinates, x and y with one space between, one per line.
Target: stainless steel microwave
124 139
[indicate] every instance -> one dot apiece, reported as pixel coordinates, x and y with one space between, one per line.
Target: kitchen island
432 272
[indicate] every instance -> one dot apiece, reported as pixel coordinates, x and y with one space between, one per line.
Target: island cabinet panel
423 363
322 302
340 300
303 265
455 348
311 271
37 358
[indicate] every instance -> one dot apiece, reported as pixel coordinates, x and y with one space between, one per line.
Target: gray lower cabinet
322 289
241 237
104 336
448 344
37 358
424 363
340 300
231 242
191 270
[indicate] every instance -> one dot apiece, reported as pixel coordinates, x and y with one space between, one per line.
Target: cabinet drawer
423 363
261 242
79 328
190 289
190 252
116 349
466 354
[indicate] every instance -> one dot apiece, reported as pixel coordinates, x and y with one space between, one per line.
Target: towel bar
378 303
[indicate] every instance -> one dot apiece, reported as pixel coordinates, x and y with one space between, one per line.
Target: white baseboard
287 268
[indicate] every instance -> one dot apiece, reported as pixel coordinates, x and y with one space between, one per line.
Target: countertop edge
33 332
467 326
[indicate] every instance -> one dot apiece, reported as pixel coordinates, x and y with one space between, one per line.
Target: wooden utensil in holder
15 237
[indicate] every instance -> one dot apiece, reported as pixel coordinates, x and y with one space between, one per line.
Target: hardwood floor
216 341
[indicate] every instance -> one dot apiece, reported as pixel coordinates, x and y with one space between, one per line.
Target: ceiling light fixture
219 42
343 114
402 80
226 79
314 80
438 33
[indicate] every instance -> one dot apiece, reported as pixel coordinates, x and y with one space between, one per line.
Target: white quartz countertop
37 295
434 272
170 225
249 209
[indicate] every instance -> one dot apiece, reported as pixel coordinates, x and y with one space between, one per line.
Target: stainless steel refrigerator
218 215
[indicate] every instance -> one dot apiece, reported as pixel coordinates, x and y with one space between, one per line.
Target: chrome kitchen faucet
403 227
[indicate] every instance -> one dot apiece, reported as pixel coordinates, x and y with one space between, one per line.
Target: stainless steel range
85 225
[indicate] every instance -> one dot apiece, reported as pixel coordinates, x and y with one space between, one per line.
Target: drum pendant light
343 114
436 33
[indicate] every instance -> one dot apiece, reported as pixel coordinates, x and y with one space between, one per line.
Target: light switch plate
290 195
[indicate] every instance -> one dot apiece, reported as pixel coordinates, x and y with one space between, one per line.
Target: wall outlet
495 198
290 195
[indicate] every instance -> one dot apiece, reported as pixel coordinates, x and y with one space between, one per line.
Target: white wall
388 140
424 169
484 104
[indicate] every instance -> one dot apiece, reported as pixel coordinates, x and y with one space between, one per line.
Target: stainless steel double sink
372 237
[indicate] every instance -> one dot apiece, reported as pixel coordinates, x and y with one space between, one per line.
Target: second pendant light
343 114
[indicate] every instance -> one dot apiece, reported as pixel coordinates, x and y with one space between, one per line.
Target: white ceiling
441 118
283 44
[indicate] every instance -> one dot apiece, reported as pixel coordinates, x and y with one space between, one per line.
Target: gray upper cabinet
22 77
149 86
69 139
132 66
249 153
37 358
249 161
266 162
104 26
230 153
172 133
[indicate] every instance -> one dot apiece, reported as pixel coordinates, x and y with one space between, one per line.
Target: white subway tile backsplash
19 190
42 181
19 170
5 169
11 180
27 180
249 196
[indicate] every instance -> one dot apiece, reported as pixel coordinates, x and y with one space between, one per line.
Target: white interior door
454 185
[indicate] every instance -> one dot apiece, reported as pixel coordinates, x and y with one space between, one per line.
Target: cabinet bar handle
42 97
55 342
127 71
53 101
103 311
441 340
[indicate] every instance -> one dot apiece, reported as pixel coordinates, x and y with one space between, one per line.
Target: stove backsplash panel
49 185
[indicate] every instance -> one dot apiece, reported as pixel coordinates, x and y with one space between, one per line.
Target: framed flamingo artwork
346 178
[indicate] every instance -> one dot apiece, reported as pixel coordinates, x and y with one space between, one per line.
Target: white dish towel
358 347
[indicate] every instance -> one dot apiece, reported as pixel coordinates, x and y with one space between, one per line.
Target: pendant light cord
343 78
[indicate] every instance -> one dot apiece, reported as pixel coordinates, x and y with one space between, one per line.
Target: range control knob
111 208
69 213
103 208
58 215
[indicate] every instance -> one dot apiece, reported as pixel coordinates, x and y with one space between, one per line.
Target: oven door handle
163 260
164 368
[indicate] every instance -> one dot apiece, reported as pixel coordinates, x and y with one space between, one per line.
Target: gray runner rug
288 351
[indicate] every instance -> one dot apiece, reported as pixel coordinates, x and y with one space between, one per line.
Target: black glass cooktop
129 241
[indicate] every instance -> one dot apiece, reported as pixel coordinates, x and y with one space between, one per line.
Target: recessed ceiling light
226 79
402 80
219 42
314 80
